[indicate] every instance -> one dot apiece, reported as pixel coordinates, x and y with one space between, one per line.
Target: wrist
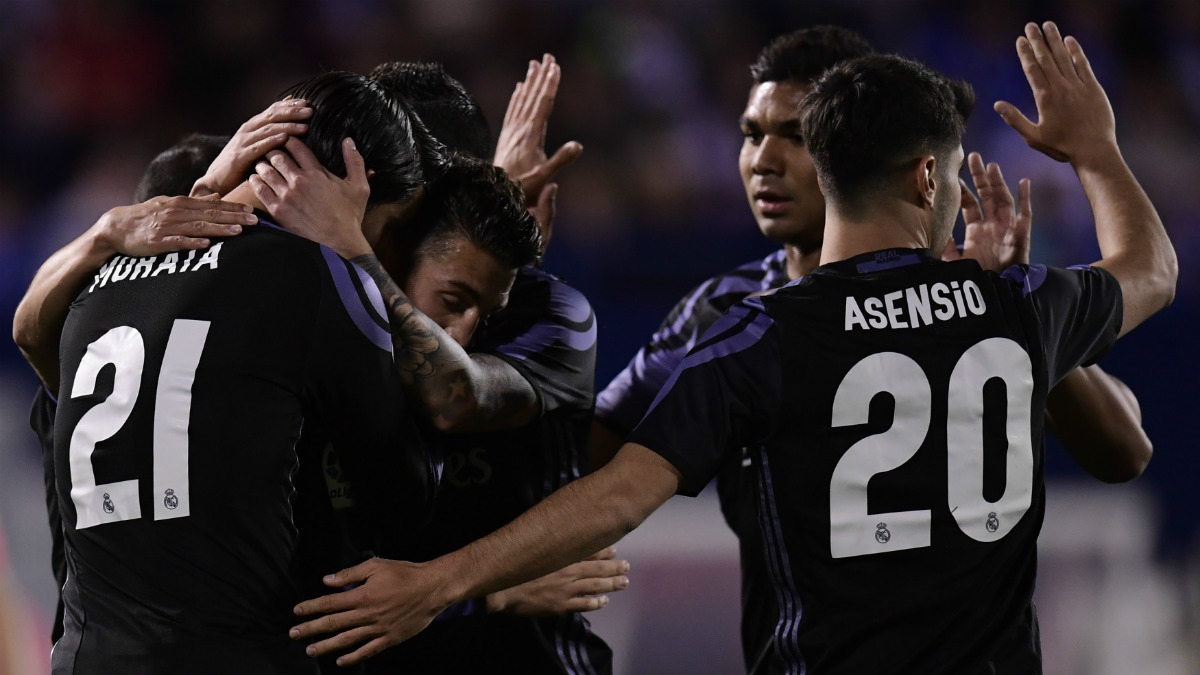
495 603
1097 157
100 238
353 248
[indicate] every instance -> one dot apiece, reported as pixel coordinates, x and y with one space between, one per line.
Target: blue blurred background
92 89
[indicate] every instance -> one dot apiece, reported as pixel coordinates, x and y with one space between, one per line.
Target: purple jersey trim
373 294
779 566
740 341
53 398
888 260
354 306
1029 278
564 302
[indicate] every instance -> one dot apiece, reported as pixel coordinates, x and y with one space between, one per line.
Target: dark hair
865 118
801 56
347 104
176 169
475 200
449 113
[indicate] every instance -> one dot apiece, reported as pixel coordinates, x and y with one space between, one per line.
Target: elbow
453 419
1132 456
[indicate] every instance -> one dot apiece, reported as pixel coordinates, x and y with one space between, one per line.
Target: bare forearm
588 514
1099 422
1133 243
38 321
459 391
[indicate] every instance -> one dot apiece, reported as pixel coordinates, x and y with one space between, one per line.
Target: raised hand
1075 120
260 134
997 230
574 588
521 148
305 198
165 224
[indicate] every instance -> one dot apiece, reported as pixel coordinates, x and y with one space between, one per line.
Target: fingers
343 641
606 554
284 164
269 185
562 158
352 575
597 586
1083 67
997 195
971 210
331 623
1041 52
290 110
585 603
328 604
1024 207
365 652
600 568
305 159
1058 51
356 169
1015 119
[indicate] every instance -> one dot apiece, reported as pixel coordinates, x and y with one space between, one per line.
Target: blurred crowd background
90 90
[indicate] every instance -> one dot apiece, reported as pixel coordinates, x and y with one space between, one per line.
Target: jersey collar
879 261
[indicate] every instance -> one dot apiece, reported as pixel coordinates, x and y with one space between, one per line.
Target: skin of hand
1076 124
521 147
998 232
574 588
394 600
260 134
155 226
292 184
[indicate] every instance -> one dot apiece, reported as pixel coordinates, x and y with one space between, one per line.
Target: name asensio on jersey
916 306
123 267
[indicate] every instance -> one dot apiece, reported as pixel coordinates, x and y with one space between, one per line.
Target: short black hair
477 201
174 170
451 114
348 104
865 118
801 56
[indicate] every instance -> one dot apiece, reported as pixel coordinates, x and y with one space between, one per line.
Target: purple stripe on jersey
350 300
49 393
791 609
889 261
747 337
564 302
572 651
372 292
1029 279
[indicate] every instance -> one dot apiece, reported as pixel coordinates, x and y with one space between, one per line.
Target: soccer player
520 404
1092 413
897 398
185 381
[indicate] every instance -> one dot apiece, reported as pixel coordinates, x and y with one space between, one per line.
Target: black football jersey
41 420
185 382
896 405
547 332
625 400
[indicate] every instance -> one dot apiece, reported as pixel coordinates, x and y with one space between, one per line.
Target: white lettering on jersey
123 268
914 307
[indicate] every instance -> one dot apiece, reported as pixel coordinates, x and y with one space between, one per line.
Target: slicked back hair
801 56
451 114
174 170
865 119
351 105
476 201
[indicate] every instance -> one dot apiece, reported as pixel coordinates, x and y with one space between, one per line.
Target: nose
464 329
768 157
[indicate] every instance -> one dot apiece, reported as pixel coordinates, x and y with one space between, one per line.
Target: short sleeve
548 334
724 394
1079 312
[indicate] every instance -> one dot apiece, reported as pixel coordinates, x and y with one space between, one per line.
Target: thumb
564 156
356 169
351 575
1015 119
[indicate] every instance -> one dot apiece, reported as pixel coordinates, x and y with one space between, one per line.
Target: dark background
90 90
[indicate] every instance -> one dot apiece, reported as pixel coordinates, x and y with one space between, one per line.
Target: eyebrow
468 289
786 127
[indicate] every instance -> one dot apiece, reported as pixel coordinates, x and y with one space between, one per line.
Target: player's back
901 489
186 380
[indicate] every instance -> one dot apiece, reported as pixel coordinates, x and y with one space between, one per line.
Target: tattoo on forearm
417 347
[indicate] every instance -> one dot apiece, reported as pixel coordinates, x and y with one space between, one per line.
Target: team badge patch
882 534
108 505
993 523
170 500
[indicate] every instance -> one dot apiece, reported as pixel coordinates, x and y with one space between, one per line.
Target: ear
926 179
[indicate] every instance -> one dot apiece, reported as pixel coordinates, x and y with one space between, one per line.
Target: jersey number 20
123 347
854 531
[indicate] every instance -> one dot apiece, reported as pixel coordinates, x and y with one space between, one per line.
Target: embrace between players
871 536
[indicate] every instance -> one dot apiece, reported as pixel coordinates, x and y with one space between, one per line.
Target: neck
894 225
801 261
243 194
